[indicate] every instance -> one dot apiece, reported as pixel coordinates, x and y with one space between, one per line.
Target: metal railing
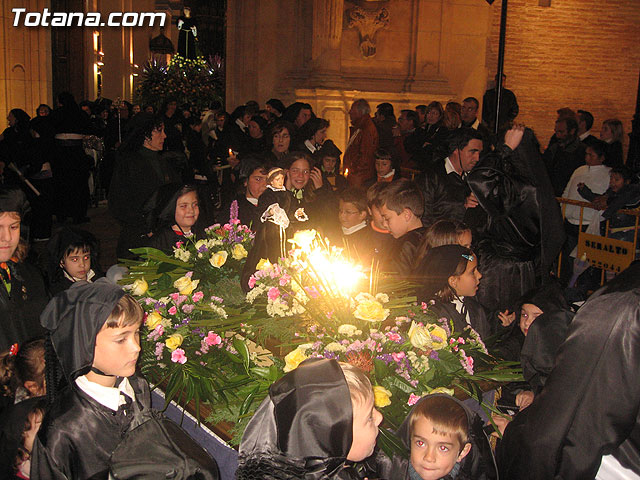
611 248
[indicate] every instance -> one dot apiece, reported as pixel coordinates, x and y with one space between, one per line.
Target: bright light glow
96 37
325 264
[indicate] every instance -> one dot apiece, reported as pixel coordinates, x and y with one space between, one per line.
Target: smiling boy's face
365 428
434 453
116 351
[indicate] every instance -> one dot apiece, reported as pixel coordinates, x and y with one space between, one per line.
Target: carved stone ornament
368 23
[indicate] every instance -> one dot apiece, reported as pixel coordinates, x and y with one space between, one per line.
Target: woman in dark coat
140 171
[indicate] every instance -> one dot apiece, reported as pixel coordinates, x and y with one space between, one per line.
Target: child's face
9 234
329 164
117 350
433 455
278 181
376 217
349 215
397 224
528 314
299 173
466 285
383 166
616 182
365 428
77 263
187 210
35 419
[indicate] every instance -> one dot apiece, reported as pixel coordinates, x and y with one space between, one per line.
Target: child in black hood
316 422
93 330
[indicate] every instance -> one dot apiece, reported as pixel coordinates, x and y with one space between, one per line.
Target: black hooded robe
303 429
78 434
590 403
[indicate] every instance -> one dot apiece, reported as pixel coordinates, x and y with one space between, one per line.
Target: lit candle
230 153
346 172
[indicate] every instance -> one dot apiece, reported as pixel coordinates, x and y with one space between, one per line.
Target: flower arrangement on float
209 343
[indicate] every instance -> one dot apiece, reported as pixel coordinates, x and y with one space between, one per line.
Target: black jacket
444 195
589 405
20 310
78 435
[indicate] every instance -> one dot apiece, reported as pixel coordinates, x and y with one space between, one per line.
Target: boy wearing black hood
94 331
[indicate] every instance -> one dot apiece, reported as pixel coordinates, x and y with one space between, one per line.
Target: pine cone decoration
363 360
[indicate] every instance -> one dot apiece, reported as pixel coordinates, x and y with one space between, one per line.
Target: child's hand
513 137
316 177
524 399
506 318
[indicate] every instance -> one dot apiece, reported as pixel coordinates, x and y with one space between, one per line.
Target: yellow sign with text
605 253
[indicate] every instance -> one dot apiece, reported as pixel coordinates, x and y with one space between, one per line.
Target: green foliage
197 82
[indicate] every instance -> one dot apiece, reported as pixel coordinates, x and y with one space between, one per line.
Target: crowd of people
433 196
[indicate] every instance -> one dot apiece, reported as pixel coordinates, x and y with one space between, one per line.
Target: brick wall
582 54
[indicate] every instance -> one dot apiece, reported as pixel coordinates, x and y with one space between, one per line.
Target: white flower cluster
420 363
255 292
181 254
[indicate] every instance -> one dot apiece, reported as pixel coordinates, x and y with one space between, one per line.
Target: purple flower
188 308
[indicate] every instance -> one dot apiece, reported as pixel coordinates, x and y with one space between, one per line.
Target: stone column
327 34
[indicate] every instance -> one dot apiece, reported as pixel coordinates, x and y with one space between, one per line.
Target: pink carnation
213 339
196 297
173 310
188 274
394 337
413 399
179 244
273 293
252 281
188 308
178 356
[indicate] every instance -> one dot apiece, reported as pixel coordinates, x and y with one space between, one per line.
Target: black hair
587 117
386 109
412 116
473 100
262 123
460 138
355 196
142 127
313 125
625 172
598 146
276 104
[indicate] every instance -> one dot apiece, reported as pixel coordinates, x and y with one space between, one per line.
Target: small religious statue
187 34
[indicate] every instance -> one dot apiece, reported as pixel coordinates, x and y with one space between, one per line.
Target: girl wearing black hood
543 319
22 291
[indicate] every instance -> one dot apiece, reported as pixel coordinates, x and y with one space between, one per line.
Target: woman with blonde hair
612 133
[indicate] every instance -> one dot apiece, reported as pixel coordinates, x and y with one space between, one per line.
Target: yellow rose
153 320
381 396
294 358
218 259
139 287
371 311
174 341
185 285
238 251
419 336
263 264
439 333
304 239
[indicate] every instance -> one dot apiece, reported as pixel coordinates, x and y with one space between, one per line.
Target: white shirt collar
354 229
458 303
448 166
108 396
281 189
312 148
390 174
584 135
90 275
252 201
